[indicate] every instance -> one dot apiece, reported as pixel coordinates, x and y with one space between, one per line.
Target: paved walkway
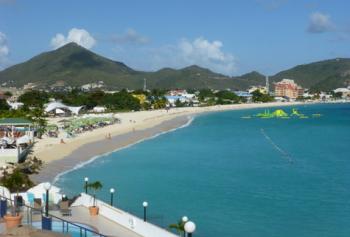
99 223
81 215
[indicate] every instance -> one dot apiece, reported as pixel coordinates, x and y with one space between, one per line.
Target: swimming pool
73 230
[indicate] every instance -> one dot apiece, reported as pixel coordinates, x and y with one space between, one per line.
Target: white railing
124 219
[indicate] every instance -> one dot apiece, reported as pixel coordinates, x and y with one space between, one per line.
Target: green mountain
324 75
73 65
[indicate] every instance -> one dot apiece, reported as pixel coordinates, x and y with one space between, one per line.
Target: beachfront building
17 137
182 96
345 92
288 88
59 109
93 86
261 89
245 95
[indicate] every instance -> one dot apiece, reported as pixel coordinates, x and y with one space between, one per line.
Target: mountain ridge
75 66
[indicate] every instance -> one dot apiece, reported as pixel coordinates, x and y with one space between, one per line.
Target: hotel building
288 88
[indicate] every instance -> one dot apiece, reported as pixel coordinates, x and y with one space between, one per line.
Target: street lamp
184 219
47 187
190 227
112 192
145 205
86 179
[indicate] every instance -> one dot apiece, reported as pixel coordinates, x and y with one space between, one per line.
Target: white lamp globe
190 227
145 204
86 179
47 186
184 219
112 190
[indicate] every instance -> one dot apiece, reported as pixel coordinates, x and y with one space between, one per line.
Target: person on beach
108 136
62 141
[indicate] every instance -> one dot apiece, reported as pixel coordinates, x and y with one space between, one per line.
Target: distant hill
323 75
74 65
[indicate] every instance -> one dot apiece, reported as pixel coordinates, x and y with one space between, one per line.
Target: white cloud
320 23
200 51
207 54
79 36
130 36
4 50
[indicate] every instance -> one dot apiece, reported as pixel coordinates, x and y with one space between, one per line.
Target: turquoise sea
237 177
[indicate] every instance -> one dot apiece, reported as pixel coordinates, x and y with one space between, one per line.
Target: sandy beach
134 127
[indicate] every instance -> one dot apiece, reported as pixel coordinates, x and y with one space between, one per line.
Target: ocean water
237 177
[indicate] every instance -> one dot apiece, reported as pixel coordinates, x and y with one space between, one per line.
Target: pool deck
81 215
101 224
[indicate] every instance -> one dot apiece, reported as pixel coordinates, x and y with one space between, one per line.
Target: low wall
124 219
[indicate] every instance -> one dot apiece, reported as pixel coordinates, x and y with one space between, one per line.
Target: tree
179 227
15 182
260 97
227 97
205 93
94 186
8 93
178 103
34 98
37 116
3 105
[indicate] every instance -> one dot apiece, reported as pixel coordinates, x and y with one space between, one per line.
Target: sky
231 37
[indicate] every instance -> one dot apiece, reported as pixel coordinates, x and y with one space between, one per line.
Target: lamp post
189 227
46 220
145 205
86 179
112 192
184 219
47 187
3 201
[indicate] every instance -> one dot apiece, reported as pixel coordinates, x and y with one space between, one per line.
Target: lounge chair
37 206
64 208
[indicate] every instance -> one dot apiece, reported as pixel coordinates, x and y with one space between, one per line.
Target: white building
99 109
58 108
15 105
344 91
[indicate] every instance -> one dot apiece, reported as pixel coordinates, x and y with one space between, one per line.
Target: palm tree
14 182
179 227
95 186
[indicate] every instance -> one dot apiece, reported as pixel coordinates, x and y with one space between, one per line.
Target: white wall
125 219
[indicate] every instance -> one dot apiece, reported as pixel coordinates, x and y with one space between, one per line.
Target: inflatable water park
281 114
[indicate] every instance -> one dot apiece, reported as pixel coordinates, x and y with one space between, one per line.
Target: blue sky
231 37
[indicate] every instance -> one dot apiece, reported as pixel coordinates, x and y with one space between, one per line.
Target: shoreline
60 159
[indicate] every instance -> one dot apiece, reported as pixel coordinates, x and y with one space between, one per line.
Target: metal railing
66 224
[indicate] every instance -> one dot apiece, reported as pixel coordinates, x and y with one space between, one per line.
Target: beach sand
135 126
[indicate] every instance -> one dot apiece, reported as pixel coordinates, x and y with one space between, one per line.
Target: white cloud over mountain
4 50
130 36
185 52
320 23
79 36
207 54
